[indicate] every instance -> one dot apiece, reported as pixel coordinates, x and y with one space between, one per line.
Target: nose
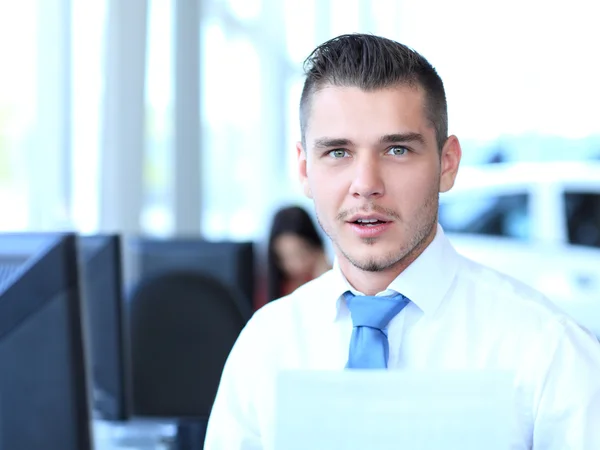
368 181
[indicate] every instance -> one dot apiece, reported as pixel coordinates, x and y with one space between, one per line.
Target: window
157 215
583 218
19 49
36 114
233 96
87 45
500 215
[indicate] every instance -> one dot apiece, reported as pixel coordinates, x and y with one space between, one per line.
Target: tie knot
374 311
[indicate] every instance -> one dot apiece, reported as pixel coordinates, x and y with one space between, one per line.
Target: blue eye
338 153
398 150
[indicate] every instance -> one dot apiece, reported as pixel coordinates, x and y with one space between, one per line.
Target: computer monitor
102 289
232 263
43 376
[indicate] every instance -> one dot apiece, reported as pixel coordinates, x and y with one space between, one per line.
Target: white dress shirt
462 315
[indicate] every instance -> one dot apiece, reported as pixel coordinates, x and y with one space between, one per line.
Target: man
374 157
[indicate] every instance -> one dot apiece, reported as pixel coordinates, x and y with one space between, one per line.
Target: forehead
337 111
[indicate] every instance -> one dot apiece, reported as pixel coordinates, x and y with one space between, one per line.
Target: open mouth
368 222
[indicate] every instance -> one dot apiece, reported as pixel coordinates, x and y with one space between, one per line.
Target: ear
302 169
450 160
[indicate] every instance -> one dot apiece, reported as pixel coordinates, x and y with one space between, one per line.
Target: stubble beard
423 227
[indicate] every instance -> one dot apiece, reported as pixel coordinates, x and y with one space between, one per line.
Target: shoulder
485 278
506 298
519 322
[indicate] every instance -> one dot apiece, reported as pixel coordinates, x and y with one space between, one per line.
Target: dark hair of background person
371 63
290 220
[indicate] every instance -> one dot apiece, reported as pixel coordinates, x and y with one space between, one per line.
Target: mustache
366 209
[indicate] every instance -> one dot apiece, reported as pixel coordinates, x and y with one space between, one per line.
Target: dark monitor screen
43 384
100 269
232 263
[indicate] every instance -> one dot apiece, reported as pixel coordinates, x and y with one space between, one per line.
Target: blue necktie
369 346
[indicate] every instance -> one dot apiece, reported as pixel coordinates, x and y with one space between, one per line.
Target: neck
370 283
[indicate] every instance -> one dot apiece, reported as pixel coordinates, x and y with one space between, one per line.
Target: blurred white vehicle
538 222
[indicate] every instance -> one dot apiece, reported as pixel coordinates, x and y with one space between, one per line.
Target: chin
374 264
376 260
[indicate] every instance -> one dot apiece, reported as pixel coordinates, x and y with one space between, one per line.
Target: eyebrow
393 138
332 142
402 137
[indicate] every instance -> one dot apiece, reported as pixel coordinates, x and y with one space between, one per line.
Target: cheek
422 185
328 188
413 190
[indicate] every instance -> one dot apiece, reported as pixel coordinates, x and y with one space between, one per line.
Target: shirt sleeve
568 412
233 422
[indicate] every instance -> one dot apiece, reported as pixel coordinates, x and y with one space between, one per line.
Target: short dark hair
371 62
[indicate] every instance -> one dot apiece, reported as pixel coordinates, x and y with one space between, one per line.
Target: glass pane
385 18
506 71
293 99
503 215
157 216
300 29
18 84
344 17
583 218
245 9
88 22
231 102
213 68
244 86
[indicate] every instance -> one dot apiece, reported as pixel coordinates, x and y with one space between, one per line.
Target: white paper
381 410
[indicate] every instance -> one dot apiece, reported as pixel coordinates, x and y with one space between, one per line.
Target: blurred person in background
374 155
296 253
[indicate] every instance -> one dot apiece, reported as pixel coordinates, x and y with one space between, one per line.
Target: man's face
373 169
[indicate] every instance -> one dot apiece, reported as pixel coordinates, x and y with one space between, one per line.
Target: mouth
370 227
369 222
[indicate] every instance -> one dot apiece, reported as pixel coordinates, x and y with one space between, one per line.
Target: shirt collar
424 282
